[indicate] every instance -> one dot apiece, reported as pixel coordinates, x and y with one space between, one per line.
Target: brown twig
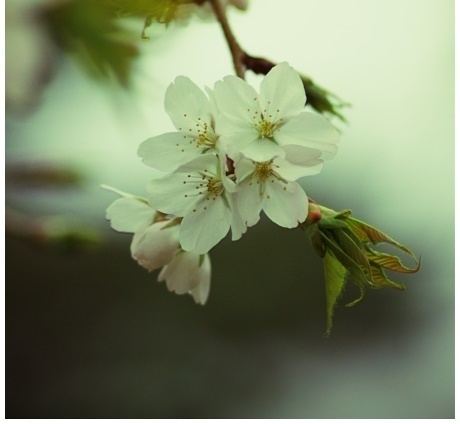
237 52
319 99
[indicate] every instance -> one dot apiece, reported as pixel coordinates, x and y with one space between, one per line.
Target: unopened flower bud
314 213
154 246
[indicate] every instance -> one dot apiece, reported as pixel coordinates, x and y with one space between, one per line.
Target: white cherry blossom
192 113
266 186
200 192
262 126
156 245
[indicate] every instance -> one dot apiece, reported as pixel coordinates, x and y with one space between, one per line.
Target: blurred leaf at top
162 11
89 30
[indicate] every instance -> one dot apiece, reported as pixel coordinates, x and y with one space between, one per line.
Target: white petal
201 230
201 292
310 130
286 207
174 194
249 201
207 162
168 151
238 225
236 98
185 102
122 193
299 162
128 214
234 135
262 150
243 167
282 90
212 101
184 273
154 246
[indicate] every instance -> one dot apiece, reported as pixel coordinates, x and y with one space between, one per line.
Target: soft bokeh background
93 335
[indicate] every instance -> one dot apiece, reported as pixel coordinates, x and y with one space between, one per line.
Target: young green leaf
331 224
355 250
355 270
336 276
381 280
391 262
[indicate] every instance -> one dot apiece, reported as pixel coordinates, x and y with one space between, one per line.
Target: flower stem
237 52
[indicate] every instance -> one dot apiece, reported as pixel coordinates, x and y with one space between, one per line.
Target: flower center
215 186
207 140
202 135
263 170
266 129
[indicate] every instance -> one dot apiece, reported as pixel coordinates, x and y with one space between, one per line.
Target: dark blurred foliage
88 31
94 336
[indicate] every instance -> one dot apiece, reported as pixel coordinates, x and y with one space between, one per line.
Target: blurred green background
92 335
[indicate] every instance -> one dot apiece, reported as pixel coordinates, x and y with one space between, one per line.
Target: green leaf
354 302
336 275
85 29
355 250
381 280
343 214
369 234
163 11
391 262
331 224
317 243
355 270
322 100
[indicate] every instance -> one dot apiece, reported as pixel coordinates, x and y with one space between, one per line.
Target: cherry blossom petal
184 273
172 194
168 151
207 162
243 167
205 226
282 93
299 162
262 150
237 225
154 246
310 130
286 204
212 101
234 134
201 292
187 105
249 201
128 214
236 99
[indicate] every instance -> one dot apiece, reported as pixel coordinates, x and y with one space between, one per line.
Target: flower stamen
262 172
